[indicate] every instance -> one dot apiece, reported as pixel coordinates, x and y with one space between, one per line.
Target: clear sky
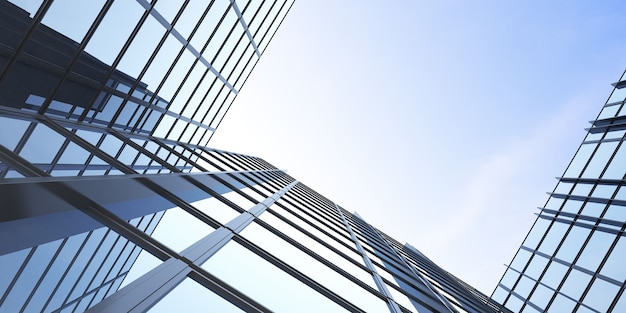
442 123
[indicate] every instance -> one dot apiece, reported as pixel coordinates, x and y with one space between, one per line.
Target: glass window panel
216 209
520 260
604 191
239 200
190 84
599 159
553 238
11 131
575 284
142 46
620 306
29 6
190 17
10 264
220 38
162 62
209 23
30 276
600 295
614 265
554 274
509 278
617 95
311 267
514 304
252 274
554 203
536 266
608 112
616 213
256 231
595 250
72 18
562 304
168 9
617 167
190 296
400 298
541 296
582 189
524 286
174 80
222 110
114 30
179 229
593 209
572 206
499 295
144 263
572 244
42 145
536 232
579 161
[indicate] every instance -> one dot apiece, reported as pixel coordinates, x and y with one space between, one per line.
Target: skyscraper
93 90
572 260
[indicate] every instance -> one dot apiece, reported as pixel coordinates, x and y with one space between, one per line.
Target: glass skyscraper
574 257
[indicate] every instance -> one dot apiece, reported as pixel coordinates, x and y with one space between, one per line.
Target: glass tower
573 258
105 111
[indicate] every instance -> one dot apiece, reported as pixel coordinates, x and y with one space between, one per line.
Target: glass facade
573 257
105 111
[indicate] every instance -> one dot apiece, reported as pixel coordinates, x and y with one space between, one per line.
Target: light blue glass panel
617 95
523 287
209 23
30 6
216 209
221 37
142 46
608 112
72 18
190 296
179 229
521 259
582 189
593 209
575 284
599 160
514 304
114 30
499 294
554 203
579 161
53 277
614 265
256 231
272 27
223 109
554 274
620 306
541 296
595 250
600 295
11 131
168 9
572 206
616 213
509 278
42 145
536 266
175 79
241 77
162 62
190 84
253 273
10 264
144 263
553 238
561 304
190 17
604 191
31 274
617 168
572 244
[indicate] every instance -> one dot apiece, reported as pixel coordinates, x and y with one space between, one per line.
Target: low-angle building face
111 201
573 259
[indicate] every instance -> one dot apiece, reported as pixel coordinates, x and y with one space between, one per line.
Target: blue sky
442 123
